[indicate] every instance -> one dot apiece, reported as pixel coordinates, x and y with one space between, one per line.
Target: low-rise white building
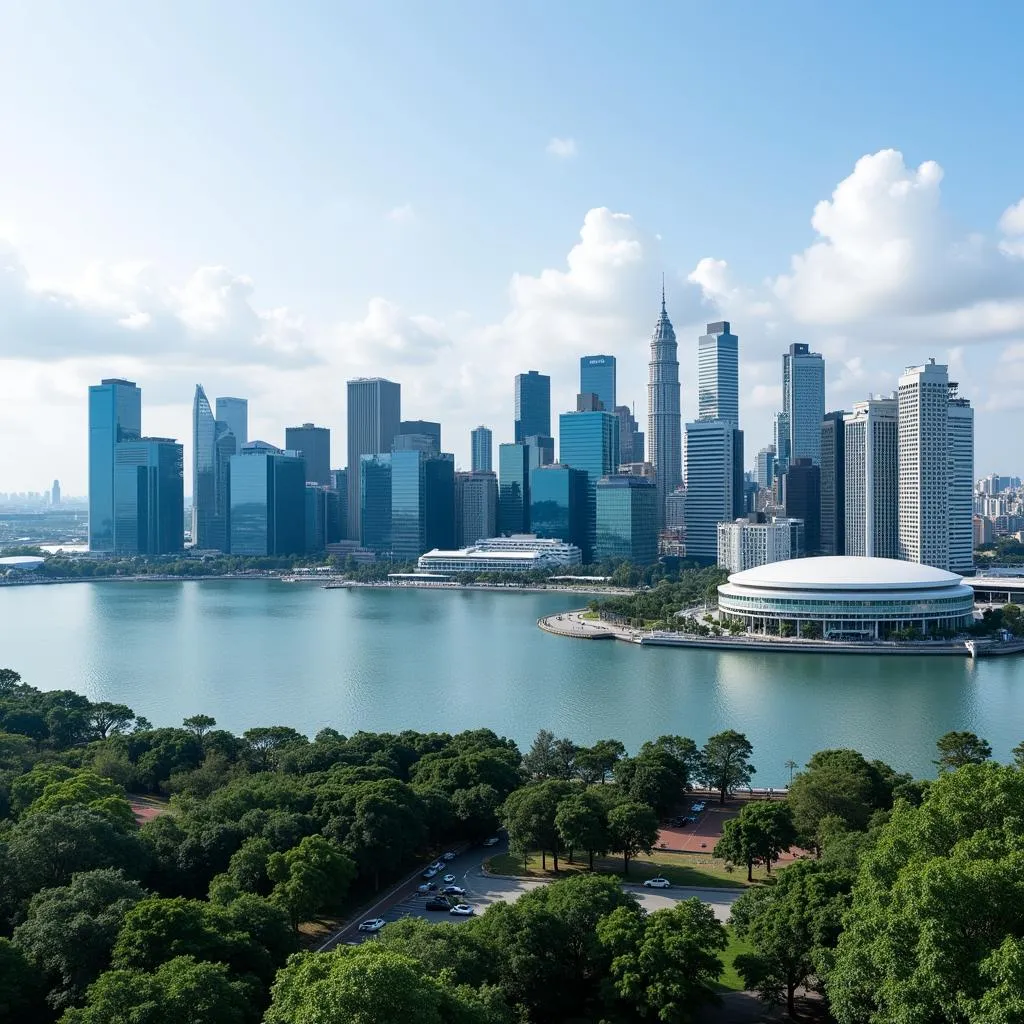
748 543
518 553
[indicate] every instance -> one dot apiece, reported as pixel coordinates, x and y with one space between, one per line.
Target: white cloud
404 214
563 149
1012 226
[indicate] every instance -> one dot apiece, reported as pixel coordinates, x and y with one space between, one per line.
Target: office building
414 443
426 428
513 488
316 517
375 495
664 423
521 553
149 497
234 414
115 415
752 541
781 442
55 493
644 469
533 406
589 441
961 488
923 405
714 484
374 416
542 450
983 532
631 439
801 496
833 484
675 510
213 444
314 443
339 483
871 442
422 503
597 377
803 401
268 501
482 442
476 507
558 503
718 374
627 519
764 472
589 402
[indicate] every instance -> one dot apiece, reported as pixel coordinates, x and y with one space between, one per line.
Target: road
482 890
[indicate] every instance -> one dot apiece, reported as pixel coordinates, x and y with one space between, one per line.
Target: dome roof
844 572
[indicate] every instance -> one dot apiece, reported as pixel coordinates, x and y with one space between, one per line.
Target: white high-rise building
714 483
748 543
803 402
961 474
664 422
872 478
718 374
923 397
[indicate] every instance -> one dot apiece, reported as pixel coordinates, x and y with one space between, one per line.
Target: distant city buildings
752 541
803 401
234 414
482 445
532 406
714 484
476 506
115 415
149 511
55 493
718 374
558 503
833 484
513 488
627 519
268 501
871 471
422 429
801 497
374 417
522 553
589 441
314 443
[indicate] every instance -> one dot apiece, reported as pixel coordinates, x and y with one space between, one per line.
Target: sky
269 199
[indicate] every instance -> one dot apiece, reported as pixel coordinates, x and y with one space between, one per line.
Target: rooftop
844 572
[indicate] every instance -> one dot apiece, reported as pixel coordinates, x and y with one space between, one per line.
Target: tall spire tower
664 424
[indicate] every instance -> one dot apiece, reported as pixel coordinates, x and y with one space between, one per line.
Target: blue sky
269 198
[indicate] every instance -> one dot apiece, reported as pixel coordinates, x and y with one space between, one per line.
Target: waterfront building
518 553
871 472
513 488
316 518
149 497
961 490
558 504
627 519
374 415
268 501
589 441
718 374
213 444
234 413
631 439
803 401
847 598
664 422
833 484
115 415
375 495
482 442
597 377
781 442
533 406
923 406
476 507
339 482
714 484
422 503
753 541
801 497
764 472
315 445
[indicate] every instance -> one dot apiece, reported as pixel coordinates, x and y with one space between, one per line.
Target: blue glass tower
149 497
268 501
533 405
513 488
558 504
375 503
627 519
115 414
597 377
589 441
422 503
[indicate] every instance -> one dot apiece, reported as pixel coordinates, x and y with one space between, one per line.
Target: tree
683 756
597 763
529 817
199 725
21 982
725 762
632 828
85 789
960 748
180 991
312 876
664 965
769 826
476 810
70 930
582 822
549 758
264 743
106 718
9 681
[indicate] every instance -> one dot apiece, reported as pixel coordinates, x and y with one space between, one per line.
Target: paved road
483 890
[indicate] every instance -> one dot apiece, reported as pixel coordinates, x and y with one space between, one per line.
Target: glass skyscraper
558 504
423 428
589 441
803 402
718 374
374 417
627 519
483 449
315 445
533 405
268 502
714 484
476 507
213 444
833 484
115 414
375 495
234 414
597 377
513 488
149 497
422 503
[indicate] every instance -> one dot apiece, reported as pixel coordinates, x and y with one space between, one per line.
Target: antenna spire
663 291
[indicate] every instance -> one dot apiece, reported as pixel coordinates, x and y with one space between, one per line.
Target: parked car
462 910
429 873
658 883
425 887
453 890
493 841
374 924
436 903
438 865
449 856
448 879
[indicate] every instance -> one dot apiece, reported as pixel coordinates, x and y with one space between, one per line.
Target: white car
462 910
453 890
658 883
438 865
449 856
429 873
374 924
448 879
493 841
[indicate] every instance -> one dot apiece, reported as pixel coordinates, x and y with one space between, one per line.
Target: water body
261 652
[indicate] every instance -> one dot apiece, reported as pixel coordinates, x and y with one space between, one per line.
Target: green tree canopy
632 828
959 748
529 816
582 822
725 762
315 875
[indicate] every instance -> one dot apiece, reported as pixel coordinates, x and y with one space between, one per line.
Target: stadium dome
847 597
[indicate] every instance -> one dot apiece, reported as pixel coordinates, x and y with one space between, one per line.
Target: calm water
261 652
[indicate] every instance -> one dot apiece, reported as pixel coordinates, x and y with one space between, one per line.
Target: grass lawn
730 981
696 869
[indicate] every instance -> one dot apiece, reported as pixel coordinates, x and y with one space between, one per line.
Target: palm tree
792 766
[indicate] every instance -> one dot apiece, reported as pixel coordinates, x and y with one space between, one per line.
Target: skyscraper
115 415
871 442
234 412
423 428
597 376
375 494
803 400
558 504
961 483
268 501
482 441
714 484
55 493
542 449
476 507
315 444
664 424
631 439
718 374
923 397
765 467
589 441
513 488
213 444
149 497
533 405
627 519
422 503
781 442
374 415
801 495
833 484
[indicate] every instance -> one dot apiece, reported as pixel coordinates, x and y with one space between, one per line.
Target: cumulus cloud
387 336
563 149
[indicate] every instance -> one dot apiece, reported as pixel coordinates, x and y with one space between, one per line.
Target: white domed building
847 598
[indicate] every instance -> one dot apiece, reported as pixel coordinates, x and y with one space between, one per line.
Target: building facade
268 501
714 484
803 401
764 468
747 543
234 413
833 484
597 376
422 503
781 442
482 444
315 445
375 511
149 497
801 497
558 504
718 374
533 406
961 483
631 438
871 478
627 519
664 422
476 507
589 441
513 488
115 415
374 415
521 553
423 428
213 444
